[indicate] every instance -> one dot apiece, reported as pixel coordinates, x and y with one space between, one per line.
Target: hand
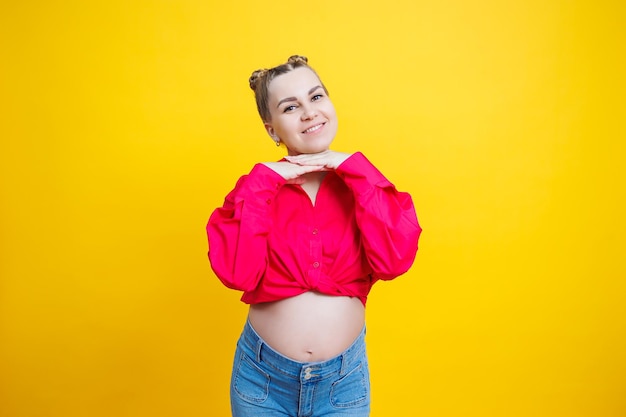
292 173
326 160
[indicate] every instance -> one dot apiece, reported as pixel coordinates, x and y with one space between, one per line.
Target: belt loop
259 345
344 365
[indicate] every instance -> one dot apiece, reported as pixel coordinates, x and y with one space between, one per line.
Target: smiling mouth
314 128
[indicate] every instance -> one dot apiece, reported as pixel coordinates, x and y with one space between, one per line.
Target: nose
309 112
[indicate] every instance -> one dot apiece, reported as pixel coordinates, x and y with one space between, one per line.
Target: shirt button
268 201
316 264
307 376
314 231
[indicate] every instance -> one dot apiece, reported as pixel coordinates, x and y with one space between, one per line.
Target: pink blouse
271 242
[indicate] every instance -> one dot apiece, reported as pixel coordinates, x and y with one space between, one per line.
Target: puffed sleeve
386 218
237 231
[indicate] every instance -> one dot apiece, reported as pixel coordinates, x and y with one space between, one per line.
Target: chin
316 149
321 145
311 145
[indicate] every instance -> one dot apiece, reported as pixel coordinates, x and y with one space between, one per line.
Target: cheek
285 128
330 112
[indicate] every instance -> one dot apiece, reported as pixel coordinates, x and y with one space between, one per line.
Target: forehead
293 83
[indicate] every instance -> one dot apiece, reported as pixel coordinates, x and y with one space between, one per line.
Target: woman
305 238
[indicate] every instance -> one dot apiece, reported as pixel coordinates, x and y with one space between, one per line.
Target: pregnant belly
309 327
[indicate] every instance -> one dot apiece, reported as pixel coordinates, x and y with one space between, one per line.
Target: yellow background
123 124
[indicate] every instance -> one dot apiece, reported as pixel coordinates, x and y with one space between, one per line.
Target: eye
317 97
289 108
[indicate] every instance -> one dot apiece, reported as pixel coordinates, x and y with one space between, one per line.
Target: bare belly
310 327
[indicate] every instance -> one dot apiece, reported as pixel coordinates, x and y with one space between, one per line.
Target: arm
386 217
237 231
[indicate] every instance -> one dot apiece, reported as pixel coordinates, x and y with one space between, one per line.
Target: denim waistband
263 353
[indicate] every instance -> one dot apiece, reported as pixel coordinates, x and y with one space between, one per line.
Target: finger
305 169
297 180
321 162
313 159
304 156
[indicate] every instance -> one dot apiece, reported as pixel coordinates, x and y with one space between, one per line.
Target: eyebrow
311 91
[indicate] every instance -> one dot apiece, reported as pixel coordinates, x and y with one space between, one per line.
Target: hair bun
255 77
297 59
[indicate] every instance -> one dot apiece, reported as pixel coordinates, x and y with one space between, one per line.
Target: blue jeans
266 383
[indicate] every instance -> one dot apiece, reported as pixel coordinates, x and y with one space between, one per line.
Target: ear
270 131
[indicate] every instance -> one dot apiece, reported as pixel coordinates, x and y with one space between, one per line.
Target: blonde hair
260 81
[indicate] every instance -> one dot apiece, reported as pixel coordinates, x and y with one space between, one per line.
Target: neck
315 176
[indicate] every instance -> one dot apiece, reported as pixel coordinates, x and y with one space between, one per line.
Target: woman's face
303 117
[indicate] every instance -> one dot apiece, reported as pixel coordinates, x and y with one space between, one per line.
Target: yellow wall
123 124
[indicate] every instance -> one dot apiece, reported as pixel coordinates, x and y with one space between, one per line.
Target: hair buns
255 77
297 59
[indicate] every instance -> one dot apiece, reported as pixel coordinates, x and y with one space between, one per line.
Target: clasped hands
294 167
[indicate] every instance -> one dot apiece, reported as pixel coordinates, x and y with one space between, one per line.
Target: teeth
312 129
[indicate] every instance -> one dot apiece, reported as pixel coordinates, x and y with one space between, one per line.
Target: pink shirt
271 242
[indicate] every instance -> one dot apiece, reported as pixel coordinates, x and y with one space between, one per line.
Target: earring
278 143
